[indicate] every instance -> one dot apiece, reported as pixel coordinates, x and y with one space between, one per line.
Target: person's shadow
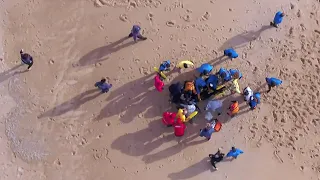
194 170
187 141
133 98
101 53
72 104
11 72
240 40
143 141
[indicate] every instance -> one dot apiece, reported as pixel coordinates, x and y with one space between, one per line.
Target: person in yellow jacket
182 114
184 65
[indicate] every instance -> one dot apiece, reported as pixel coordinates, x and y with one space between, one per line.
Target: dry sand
55 125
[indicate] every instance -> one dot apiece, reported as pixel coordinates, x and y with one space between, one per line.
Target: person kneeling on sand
234 108
234 153
277 19
273 82
135 33
179 128
215 158
26 59
231 53
103 86
254 100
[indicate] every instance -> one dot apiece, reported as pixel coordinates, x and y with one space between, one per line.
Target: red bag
168 118
179 128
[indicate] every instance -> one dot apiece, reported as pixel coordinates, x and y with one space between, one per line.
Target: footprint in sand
206 16
186 18
171 23
123 17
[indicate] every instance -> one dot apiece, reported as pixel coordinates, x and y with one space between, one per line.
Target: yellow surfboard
192 115
161 73
188 62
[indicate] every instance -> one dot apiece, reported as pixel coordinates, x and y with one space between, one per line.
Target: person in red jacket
179 128
168 118
158 83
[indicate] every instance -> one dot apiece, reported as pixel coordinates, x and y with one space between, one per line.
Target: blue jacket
199 83
254 100
104 87
233 71
277 18
232 52
235 153
205 67
214 80
225 74
273 81
135 31
164 66
206 133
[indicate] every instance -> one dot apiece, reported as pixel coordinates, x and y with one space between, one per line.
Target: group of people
186 95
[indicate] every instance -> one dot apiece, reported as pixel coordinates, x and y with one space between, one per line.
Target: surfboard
161 73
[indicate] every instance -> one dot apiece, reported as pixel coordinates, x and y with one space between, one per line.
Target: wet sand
56 125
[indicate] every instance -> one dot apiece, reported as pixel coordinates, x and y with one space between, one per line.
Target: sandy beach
56 125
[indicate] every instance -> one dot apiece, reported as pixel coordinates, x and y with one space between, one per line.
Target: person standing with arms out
215 158
277 19
26 59
234 153
103 86
272 82
231 53
135 33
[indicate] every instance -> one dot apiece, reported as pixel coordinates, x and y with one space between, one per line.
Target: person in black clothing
26 59
215 158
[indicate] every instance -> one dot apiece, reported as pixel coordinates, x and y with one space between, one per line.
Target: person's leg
213 164
141 37
269 88
30 65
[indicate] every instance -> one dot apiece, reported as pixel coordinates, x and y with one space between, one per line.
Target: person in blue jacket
254 100
205 69
26 59
164 66
235 73
231 53
277 19
103 86
234 152
224 74
272 82
212 82
135 33
199 84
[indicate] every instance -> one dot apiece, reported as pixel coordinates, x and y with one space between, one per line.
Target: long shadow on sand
101 53
143 141
10 72
240 40
133 98
72 104
192 171
171 151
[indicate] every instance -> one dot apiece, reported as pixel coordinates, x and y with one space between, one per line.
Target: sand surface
55 125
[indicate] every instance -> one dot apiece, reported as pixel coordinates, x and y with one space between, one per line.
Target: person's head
233 148
282 15
236 75
103 80
205 72
185 65
185 111
208 126
21 51
223 75
229 54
